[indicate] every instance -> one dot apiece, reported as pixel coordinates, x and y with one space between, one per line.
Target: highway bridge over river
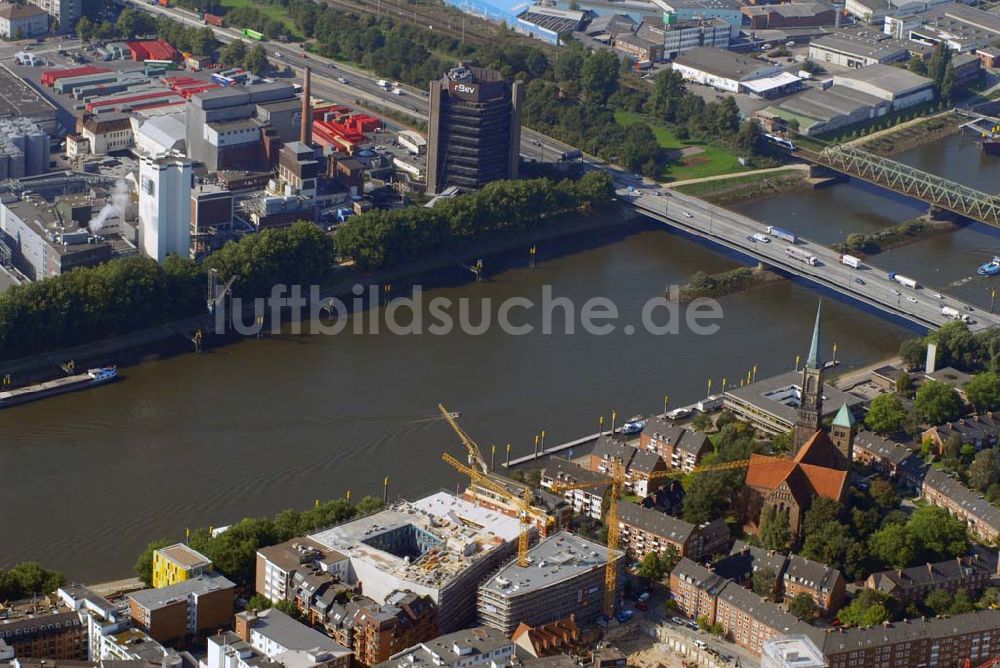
868 284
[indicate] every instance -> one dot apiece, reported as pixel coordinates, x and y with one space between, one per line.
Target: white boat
634 425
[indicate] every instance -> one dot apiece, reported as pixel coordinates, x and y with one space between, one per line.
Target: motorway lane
922 303
364 86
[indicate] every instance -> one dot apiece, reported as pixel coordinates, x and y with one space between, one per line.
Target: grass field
275 11
709 187
711 161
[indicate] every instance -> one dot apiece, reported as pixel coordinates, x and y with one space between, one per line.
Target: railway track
472 33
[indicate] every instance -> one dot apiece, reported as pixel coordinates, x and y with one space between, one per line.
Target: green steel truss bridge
910 181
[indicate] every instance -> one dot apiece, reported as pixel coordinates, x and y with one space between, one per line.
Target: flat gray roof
723 63
779 394
291 634
203 584
893 80
862 42
451 648
559 557
17 98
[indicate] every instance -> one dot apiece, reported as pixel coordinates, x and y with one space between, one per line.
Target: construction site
440 546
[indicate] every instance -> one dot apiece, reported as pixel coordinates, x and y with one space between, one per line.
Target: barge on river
50 388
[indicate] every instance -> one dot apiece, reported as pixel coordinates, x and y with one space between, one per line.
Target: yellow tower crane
525 511
475 456
617 475
477 470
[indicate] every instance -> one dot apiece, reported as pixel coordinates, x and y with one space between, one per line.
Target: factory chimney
306 135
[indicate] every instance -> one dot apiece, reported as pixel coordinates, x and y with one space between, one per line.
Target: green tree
26 579
599 75
701 421
957 346
938 402
866 610
948 83
984 470
256 60
657 565
802 606
886 414
750 136
368 505
961 604
820 513
258 602
144 564
983 391
764 582
904 384
913 353
893 545
289 608
85 29
917 66
990 598
939 535
883 494
775 533
233 54
938 601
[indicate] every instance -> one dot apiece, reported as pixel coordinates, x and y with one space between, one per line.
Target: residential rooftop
559 557
184 557
153 599
655 522
450 648
300 645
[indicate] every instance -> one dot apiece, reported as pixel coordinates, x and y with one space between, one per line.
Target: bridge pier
935 212
821 172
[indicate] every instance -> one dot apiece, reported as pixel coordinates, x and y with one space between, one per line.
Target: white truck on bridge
851 261
801 256
954 313
903 280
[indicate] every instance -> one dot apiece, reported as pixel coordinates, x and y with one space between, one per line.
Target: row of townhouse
794 575
645 530
314 578
750 621
899 462
912 585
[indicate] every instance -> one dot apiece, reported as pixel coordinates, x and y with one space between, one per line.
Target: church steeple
812 361
810 410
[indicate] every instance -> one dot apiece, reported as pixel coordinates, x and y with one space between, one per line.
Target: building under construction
440 546
565 576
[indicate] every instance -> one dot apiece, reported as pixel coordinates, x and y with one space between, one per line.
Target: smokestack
306 135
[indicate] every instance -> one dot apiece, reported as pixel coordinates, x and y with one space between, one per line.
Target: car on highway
912 299
277 54
763 238
938 295
342 80
968 308
859 281
689 214
896 292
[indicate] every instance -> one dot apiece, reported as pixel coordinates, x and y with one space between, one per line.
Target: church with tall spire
810 409
819 463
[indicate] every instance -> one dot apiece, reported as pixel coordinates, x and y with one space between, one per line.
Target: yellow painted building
178 563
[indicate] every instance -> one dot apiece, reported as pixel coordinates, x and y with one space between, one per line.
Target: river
945 262
262 425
